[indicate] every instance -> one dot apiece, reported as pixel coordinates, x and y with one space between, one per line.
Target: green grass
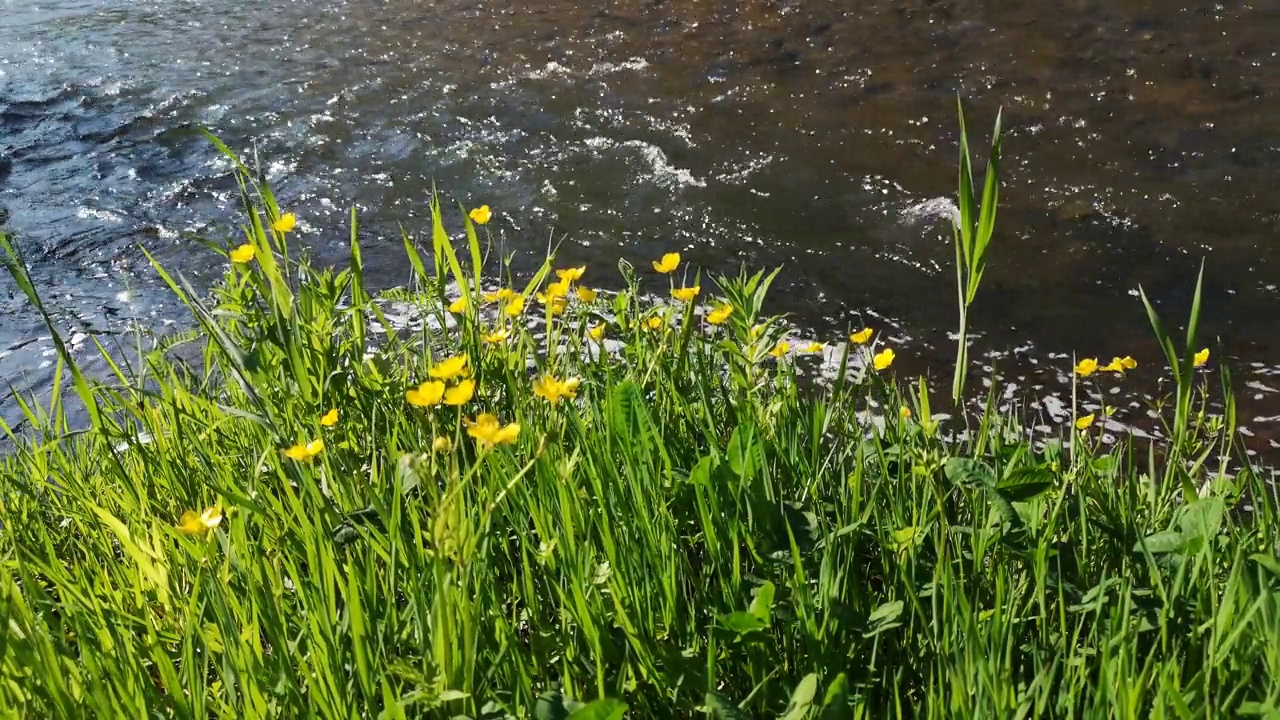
701 532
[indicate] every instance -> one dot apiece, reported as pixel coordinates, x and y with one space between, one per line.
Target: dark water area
1142 137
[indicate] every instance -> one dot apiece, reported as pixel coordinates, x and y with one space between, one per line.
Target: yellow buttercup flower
461 393
596 332
488 432
782 348
861 337
685 294
557 306
813 347
286 223
883 359
904 412
550 389
304 453
514 306
497 337
653 323
458 306
668 263
442 444
586 294
199 523
1086 367
330 418
501 295
449 368
428 394
480 215
573 274
1200 358
243 254
755 331
559 289
720 314
1084 422
1119 364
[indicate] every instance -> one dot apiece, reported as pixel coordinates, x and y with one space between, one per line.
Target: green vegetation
683 526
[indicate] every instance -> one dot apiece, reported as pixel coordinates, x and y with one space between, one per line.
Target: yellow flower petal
501 295
480 215
720 314
243 254
442 444
507 434
1084 422
286 223
305 453
685 294
904 412
558 289
449 368
586 294
461 393
514 306
1086 367
883 359
597 332
198 523
488 432
458 306
780 349
861 337
497 337
1200 358
813 347
1128 363
573 274
653 323
668 263
330 418
552 390
428 394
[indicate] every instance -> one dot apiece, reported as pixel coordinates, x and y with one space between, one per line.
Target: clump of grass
331 518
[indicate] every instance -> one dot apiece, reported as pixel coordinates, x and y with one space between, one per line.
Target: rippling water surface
1142 137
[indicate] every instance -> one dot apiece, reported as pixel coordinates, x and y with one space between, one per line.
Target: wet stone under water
815 135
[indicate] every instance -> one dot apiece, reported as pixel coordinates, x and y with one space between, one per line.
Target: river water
1142 137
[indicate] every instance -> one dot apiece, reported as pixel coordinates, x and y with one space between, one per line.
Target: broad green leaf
602 709
1165 541
745 454
1202 518
762 604
884 618
1026 483
742 622
802 698
966 471
1270 562
722 708
835 704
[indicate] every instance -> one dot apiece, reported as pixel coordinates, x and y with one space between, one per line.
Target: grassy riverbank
643 505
